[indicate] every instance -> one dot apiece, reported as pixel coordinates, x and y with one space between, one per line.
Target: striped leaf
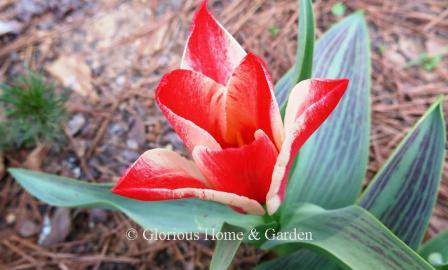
188 215
283 87
302 69
436 251
403 193
225 250
330 167
300 260
351 236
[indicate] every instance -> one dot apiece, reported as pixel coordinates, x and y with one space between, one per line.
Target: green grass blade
331 166
350 236
225 250
303 67
403 193
436 251
188 215
305 41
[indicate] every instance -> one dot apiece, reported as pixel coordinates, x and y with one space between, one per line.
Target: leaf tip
437 105
358 17
13 171
359 14
440 99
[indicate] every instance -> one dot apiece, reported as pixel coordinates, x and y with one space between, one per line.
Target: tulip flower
221 104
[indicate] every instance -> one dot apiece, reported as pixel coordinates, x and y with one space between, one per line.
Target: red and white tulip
221 103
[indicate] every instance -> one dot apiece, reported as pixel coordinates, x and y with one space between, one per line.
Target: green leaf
304 59
403 193
432 62
283 87
436 251
188 215
338 9
351 236
300 260
226 249
427 61
274 30
331 166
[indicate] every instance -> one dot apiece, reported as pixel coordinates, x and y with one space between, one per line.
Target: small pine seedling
32 112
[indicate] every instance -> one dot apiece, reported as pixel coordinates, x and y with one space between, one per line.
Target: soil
112 53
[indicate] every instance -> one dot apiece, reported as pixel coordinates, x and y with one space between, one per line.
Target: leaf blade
196 215
403 193
335 180
225 250
437 245
367 243
305 41
302 68
300 260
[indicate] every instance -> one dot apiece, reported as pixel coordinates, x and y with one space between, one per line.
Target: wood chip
73 72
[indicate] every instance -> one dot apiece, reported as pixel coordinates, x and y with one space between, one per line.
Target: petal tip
117 189
342 87
259 211
211 49
345 82
272 204
202 10
204 5
252 57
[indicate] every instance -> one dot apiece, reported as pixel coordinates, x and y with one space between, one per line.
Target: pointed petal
251 105
192 104
155 169
246 170
161 174
310 103
210 49
206 113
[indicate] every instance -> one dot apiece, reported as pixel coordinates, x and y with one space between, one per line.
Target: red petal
158 168
310 103
251 105
192 103
162 174
206 113
210 49
245 171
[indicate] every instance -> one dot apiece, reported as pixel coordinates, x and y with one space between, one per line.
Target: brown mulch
117 50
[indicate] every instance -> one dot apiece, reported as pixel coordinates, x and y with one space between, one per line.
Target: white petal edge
247 205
